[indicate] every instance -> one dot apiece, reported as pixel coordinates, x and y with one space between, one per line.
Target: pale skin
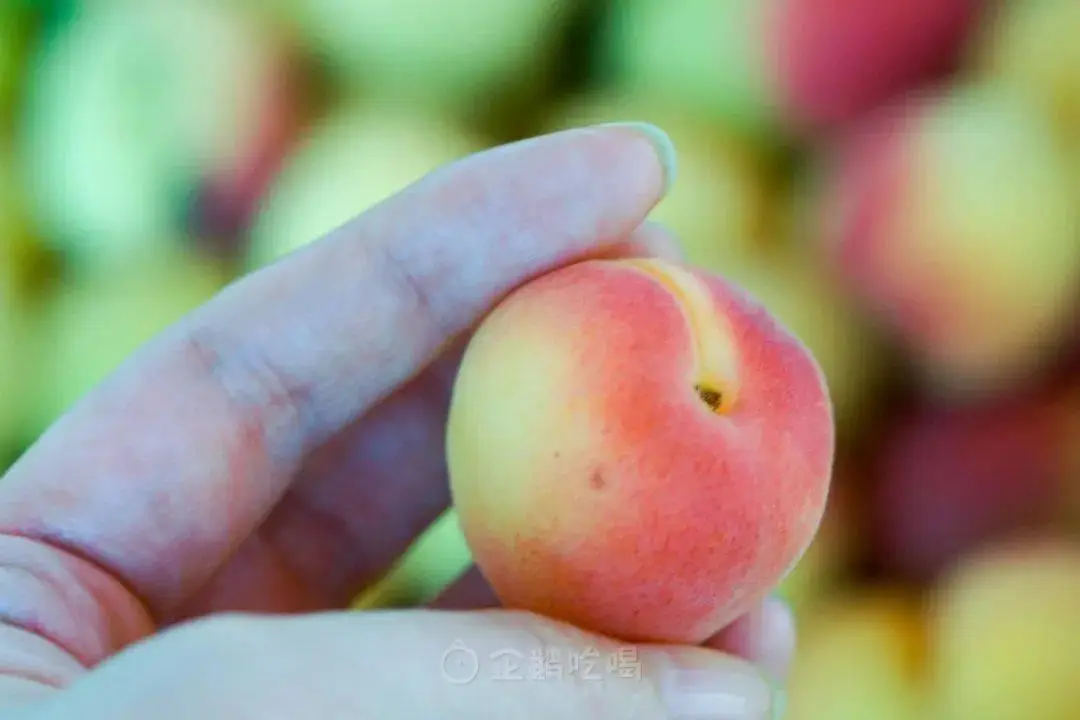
186 541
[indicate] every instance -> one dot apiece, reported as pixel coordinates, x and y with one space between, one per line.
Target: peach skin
637 448
951 218
771 68
1004 630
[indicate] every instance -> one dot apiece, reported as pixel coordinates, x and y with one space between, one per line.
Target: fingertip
515 663
779 637
700 683
765 636
662 145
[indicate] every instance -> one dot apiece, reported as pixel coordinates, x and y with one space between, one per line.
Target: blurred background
897 180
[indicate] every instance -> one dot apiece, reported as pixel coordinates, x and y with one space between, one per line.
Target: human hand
177 545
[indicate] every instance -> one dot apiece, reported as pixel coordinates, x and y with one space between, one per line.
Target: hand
177 544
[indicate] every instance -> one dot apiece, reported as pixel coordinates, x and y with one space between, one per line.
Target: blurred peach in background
898 180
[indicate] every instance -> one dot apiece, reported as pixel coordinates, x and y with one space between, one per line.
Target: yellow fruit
860 658
353 160
1006 632
99 316
720 204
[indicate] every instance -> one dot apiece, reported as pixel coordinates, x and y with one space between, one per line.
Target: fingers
765 636
414 664
158 476
363 498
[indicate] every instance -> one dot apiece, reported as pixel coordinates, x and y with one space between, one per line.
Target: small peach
949 479
352 159
951 219
638 448
769 67
861 656
462 56
795 287
136 110
1005 631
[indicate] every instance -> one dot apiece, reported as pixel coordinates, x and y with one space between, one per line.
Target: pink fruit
637 448
837 59
951 479
951 218
767 65
135 110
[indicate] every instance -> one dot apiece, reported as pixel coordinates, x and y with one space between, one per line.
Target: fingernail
662 144
728 691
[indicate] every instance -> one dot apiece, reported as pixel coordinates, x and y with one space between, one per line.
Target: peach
837 60
730 213
456 56
1004 634
353 159
794 286
138 113
861 656
638 448
950 217
804 65
950 479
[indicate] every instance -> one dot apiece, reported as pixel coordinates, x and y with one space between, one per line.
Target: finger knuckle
260 399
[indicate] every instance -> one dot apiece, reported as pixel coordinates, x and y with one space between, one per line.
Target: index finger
196 437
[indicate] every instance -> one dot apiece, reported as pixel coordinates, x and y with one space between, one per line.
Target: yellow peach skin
638 448
861 657
353 159
1007 634
951 219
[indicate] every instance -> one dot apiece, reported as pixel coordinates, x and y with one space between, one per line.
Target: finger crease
260 398
401 273
62 592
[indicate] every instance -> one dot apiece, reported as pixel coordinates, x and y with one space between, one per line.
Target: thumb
414 664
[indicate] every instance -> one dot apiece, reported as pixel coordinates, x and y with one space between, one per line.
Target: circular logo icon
460 664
